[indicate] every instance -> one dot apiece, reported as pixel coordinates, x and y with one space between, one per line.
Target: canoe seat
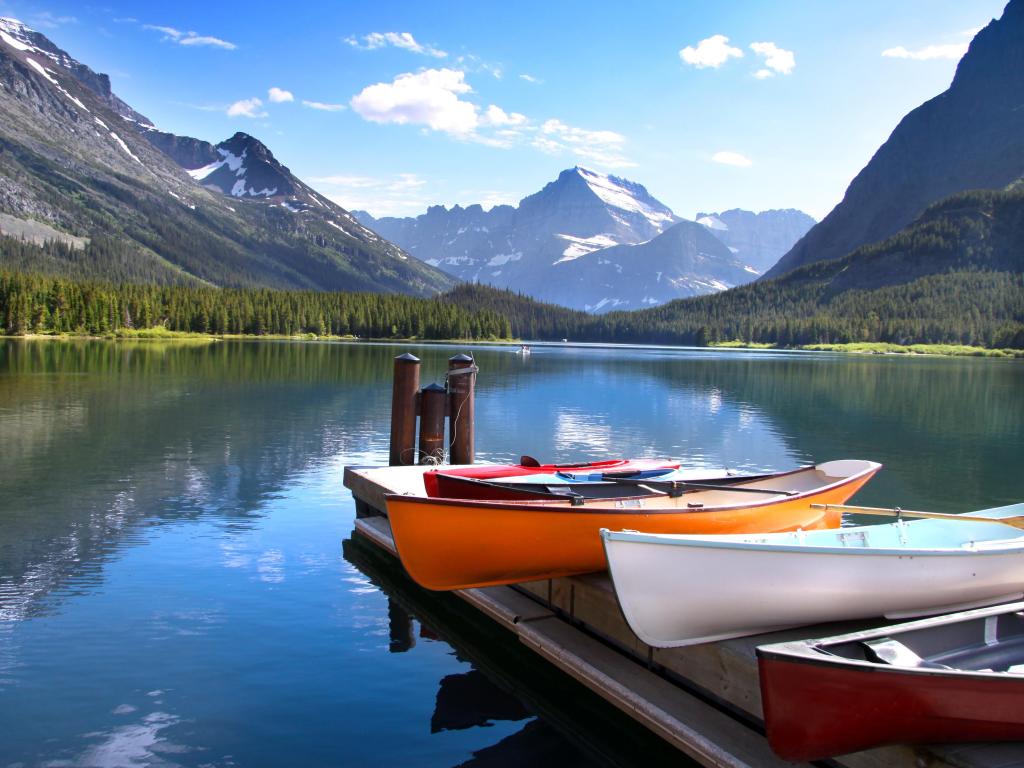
893 652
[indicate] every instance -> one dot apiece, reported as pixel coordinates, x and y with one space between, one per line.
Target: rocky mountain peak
20 37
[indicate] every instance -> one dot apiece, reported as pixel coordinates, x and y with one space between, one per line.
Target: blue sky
395 106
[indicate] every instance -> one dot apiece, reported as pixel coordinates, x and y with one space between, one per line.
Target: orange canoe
458 544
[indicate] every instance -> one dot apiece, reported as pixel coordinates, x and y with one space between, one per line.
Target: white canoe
685 589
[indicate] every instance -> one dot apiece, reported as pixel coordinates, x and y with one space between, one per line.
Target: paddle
681 485
1013 522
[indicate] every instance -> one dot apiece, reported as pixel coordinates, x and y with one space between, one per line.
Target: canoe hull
817 710
750 588
451 544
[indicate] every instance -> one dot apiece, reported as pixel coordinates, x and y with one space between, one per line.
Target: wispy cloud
403 40
323 106
601 147
174 35
530 79
400 195
711 52
776 60
48 20
279 95
732 158
246 108
948 51
438 99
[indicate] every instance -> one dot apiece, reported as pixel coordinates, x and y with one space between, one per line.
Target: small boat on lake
528 466
947 679
591 485
458 543
758 583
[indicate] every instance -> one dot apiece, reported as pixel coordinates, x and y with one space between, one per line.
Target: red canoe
952 678
531 467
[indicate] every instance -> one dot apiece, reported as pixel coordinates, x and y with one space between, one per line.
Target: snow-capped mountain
581 212
758 239
594 242
77 159
684 260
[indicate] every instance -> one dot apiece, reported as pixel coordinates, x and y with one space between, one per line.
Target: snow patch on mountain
120 143
504 258
581 246
12 41
713 222
39 68
623 194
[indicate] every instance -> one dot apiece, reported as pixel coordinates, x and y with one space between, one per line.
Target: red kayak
529 466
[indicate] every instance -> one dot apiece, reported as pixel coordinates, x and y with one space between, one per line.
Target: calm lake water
176 584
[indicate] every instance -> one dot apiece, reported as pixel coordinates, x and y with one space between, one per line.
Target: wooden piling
461 411
406 383
433 400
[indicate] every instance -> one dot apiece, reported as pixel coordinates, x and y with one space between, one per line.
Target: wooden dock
704 700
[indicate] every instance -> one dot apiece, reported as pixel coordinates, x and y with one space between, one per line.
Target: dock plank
696 729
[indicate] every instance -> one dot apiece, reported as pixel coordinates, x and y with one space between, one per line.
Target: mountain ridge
546 245
75 157
969 136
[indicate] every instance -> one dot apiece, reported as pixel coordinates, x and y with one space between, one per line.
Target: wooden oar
1013 522
681 485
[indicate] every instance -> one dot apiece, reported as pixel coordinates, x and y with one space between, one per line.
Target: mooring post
406 382
461 422
432 407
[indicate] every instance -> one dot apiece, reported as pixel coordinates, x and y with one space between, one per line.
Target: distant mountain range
758 239
970 136
595 242
77 161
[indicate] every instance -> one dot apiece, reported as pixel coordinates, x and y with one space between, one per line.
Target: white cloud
761 74
279 95
602 147
323 107
403 40
711 52
530 79
950 51
498 117
246 108
170 32
430 98
732 158
433 98
190 38
48 20
398 195
193 39
777 60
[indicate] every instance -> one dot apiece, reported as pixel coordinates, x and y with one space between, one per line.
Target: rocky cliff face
74 156
971 136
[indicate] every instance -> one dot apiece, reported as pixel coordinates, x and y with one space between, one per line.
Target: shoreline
849 348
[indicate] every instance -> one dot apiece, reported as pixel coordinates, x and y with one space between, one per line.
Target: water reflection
170 515
509 684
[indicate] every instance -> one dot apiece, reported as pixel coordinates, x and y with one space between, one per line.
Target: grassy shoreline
856 348
886 348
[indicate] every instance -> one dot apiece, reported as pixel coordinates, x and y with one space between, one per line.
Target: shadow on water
507 682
